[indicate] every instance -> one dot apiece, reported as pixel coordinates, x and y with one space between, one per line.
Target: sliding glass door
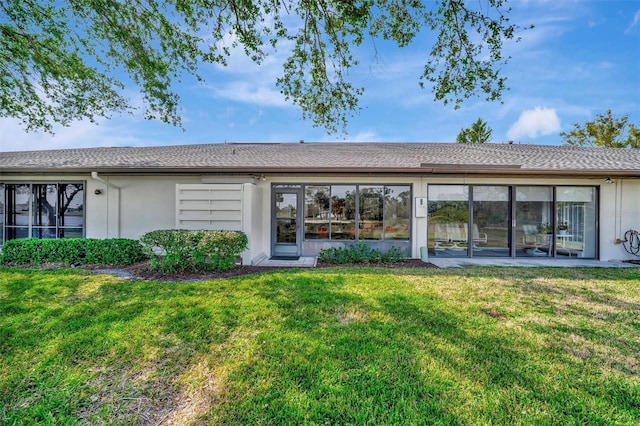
448 220
534 218
575 221
520 221
490 225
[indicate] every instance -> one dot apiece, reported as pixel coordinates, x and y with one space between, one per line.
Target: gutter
94 176
499 171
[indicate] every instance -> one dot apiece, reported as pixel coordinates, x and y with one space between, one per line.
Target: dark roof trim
474 166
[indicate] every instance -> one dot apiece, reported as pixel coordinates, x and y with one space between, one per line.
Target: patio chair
478 237
457 235
440 236
537 244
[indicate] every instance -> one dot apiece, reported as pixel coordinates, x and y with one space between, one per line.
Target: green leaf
63 61
605 131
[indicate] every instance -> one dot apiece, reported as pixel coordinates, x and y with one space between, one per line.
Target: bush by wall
177 250
360 253
113 251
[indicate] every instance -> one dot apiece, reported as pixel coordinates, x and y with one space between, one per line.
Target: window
534 216
371 205
521 221
576 221
71 202
2 213
397 212
317 210
17 211
343 212
45 197
350 212
42 210
448 218
490 222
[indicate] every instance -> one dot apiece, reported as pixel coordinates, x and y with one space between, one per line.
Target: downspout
94 176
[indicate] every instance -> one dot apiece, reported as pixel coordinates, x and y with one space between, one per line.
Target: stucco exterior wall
619 213
253 220
130 206
134 205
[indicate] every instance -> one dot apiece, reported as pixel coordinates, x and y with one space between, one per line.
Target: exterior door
286 222
534 221
489 234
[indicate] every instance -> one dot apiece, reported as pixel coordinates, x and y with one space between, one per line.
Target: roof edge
439 170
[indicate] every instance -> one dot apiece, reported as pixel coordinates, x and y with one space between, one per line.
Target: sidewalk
528 262
302 262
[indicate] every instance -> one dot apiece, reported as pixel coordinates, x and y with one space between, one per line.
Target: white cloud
242 80
363 136
634 23
79 134
366 136
535 122
120 130
244 91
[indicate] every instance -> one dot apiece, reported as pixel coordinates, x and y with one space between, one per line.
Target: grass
327 346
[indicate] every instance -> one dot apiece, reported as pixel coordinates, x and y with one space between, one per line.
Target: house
293 199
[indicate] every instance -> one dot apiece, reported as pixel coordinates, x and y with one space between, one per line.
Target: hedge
178 250
70 251
360 253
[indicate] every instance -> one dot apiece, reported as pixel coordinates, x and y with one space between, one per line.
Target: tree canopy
479 132
62 61
604 131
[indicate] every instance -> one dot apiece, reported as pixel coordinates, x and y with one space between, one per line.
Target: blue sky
582 58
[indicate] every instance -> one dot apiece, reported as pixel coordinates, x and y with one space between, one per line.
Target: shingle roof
331 158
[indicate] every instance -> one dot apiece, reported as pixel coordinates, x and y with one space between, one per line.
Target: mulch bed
404 263
141 270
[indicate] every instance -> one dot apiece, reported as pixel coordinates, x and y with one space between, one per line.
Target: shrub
360 253
36 251
394 254
173 250
116 251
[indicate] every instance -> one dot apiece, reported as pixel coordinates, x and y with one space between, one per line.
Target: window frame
555 253
8 209
357 211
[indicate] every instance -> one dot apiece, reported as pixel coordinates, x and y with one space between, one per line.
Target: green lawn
326 346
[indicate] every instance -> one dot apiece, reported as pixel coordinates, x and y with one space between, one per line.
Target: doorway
286 220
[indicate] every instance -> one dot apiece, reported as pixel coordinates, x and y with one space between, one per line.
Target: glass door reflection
286 219
534 219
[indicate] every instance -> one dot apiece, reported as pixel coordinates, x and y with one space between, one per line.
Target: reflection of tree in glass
343 207
1 207
396 205
322 200
49 198
371 202
337 208
448 211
